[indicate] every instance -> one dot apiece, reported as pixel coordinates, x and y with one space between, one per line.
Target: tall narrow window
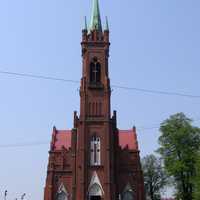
95 151
95 71
90 109
93 108
100 109
97 110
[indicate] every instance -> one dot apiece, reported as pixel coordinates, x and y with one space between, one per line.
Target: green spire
95 23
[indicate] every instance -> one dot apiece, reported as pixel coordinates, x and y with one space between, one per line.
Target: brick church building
95 160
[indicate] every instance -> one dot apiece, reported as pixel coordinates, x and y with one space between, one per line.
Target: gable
127 139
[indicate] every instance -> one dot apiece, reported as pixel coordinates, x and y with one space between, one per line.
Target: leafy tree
197 181
154 176
180 143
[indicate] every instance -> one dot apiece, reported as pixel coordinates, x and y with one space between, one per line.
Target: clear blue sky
155 45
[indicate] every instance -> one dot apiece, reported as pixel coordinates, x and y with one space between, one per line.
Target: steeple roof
95 23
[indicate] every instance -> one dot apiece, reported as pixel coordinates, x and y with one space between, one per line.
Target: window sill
95 86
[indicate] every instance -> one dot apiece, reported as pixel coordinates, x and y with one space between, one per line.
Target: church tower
95 145
95 160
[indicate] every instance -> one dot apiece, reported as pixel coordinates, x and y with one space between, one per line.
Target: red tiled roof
128 139
62 138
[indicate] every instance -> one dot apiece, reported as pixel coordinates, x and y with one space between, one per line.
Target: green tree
179 146
197 181
154 177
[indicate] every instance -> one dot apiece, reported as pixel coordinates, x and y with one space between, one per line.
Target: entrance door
95 197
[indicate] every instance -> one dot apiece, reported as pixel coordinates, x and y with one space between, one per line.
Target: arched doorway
62 193
62 196
95 192
128 193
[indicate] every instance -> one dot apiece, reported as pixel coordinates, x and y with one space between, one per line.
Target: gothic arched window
128 196
62 193
128 193
95 151
95 71
95 189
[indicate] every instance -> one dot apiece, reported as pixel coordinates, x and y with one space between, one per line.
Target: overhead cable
159 92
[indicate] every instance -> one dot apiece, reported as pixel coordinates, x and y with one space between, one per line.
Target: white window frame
95 151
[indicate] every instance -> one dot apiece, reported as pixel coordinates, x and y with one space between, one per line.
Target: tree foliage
197 181
154 177
179 147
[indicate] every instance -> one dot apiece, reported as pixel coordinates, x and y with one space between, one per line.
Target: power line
24 144
159 92
156 91
147 128
37 76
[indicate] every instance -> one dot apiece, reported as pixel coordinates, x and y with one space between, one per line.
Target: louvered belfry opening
95 72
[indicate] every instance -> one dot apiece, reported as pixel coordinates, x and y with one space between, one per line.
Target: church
94 160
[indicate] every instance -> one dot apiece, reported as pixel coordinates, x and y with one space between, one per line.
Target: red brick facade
95 160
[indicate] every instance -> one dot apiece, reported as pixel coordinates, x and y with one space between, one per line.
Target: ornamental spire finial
85 24
107 24
95 23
